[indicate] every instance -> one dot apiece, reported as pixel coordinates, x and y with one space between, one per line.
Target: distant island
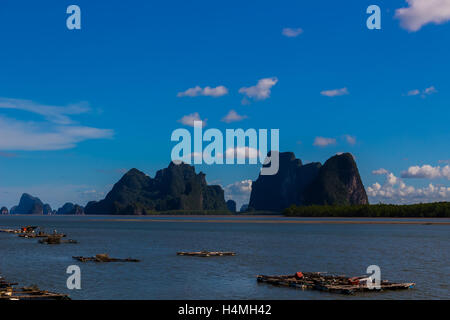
333 189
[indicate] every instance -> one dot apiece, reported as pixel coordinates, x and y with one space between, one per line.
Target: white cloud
394 190
335 92
422 12
207 91
380 171
188 120
292 32
445 172
425 92
324 142
391 179
427 172
239 191
261 90
350 139
430 90
242 152
233 116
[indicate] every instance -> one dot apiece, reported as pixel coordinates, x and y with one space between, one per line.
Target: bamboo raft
103 258
330 283
40 234
206 254
10 231
56 239
8 292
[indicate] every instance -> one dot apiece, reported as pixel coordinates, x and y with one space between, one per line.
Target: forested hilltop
421 210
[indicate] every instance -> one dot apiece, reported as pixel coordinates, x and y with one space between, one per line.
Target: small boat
331 283
103 258
207 253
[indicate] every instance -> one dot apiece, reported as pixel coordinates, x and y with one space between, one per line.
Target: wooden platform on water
56 240
207 253
103 258
9 292
331 283
33 235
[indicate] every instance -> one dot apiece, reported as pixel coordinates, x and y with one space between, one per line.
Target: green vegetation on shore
421 210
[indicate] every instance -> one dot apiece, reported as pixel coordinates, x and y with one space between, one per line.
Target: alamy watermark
74 280
73 22
240 146
374 280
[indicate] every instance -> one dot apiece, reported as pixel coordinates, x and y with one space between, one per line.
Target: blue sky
80 107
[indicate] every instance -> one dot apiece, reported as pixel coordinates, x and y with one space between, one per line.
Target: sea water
417 253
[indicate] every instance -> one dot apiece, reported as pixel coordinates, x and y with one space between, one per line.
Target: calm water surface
410 253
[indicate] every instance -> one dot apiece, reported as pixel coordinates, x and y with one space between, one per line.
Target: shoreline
265 219
324 221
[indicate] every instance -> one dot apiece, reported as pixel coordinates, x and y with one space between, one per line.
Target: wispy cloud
324 142
335 92
351 140
206 91
422 12
292 32
34 136
233 116
56 114
261 90
414 92
57 131
188 120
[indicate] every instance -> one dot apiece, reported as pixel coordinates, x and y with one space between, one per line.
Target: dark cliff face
231 205
47 209
336 182
279 191
177 187
71 209
28 205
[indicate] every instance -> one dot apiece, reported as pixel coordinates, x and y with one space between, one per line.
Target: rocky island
337 182
177 187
